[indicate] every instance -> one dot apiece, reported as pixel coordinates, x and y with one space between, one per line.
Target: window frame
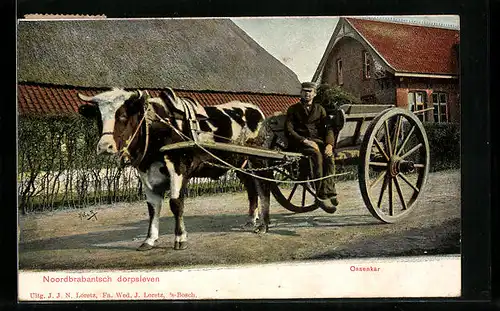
439 104
340 73
415 107
366 65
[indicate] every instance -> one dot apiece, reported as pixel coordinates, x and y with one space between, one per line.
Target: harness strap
190 115
147 116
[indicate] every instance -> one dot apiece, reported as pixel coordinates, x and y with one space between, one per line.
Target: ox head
118 112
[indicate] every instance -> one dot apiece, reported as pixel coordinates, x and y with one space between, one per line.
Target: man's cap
309 85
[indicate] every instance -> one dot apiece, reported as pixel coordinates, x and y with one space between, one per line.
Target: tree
332 97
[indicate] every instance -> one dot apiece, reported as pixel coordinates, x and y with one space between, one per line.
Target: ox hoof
180 245
261 229
249 225
145 247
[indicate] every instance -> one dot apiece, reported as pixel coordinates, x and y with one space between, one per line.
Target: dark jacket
301 124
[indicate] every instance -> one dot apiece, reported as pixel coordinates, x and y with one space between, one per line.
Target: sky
299 42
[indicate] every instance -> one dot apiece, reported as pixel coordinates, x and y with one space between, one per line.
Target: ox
135 126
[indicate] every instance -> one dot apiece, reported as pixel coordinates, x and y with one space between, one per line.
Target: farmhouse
210 60
413 66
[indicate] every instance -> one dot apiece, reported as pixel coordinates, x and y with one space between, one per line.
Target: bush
58 167
332 97
444 144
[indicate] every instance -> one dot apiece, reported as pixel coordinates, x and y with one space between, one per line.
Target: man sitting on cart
308 132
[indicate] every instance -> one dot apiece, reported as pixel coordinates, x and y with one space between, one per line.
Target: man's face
307 94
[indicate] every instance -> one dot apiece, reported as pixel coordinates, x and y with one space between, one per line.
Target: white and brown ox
134 128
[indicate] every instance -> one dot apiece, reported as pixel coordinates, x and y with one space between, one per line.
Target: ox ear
135 103
169 97
170 93
88 111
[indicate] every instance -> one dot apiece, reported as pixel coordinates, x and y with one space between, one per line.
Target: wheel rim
296 197
394 163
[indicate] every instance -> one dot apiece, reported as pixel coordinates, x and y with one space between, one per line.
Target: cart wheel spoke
408 182
400 193
419 165
379 164
384 185
397 132
309 190
412 150
388 137
304 196
292 192
379 178
406 140
391 206
380 148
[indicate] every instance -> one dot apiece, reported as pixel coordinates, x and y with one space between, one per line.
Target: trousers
321 166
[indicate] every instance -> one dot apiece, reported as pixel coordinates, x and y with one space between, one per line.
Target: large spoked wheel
295 197
393 164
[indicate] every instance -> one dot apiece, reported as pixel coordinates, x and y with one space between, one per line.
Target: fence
58 168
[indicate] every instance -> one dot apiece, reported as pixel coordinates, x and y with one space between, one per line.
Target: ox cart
388 145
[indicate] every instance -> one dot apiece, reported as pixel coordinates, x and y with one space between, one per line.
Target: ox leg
264 191
253 199
177 184
155 184
177 207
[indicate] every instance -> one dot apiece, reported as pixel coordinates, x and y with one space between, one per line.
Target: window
340 77
366 65
416 102
440 102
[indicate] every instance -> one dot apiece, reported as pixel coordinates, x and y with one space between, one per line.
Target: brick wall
389 89
351 53
430 86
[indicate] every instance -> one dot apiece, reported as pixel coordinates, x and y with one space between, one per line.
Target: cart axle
398 165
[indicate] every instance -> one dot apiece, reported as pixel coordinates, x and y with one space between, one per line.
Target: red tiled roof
36 99
410 48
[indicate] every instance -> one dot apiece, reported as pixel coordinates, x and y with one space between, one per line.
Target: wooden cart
388 145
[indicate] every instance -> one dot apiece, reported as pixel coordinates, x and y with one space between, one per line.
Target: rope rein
125 151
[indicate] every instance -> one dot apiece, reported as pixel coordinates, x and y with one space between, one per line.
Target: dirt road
70 240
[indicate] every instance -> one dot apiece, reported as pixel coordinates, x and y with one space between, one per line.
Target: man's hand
311 144
328 150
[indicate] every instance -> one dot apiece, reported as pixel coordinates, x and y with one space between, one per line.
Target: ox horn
85 97
139 93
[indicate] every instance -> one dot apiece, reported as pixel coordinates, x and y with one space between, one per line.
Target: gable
399 48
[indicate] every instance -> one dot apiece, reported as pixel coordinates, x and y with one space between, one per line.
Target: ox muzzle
107 143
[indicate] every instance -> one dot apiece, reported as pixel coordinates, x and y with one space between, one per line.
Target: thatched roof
190 54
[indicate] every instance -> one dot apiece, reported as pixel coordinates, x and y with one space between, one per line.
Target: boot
329 205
